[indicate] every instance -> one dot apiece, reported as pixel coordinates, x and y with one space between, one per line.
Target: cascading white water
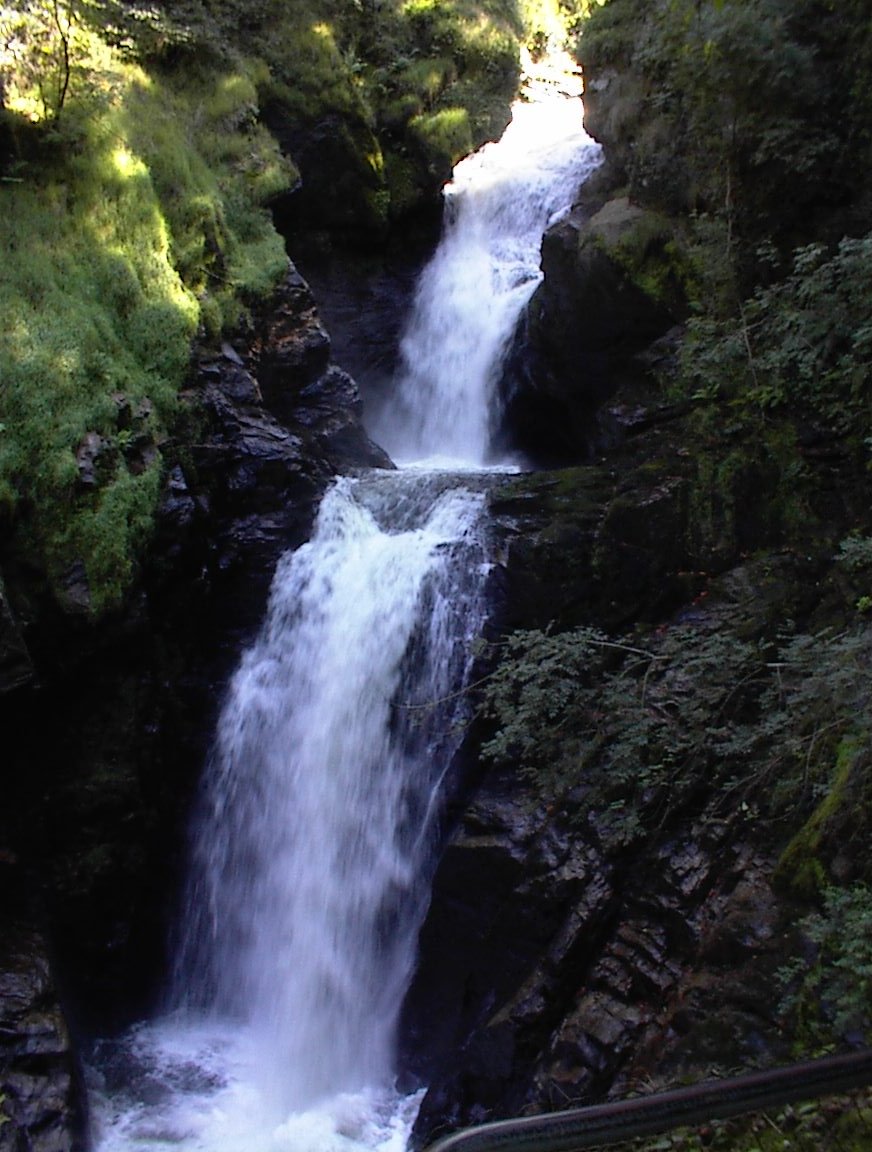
471 295
314 830
328 753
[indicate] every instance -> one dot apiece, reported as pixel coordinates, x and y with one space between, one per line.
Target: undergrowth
835 1124
629 735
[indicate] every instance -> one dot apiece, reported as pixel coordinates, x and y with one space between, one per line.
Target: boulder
611 287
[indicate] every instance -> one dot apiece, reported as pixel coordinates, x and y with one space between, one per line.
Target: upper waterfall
469 299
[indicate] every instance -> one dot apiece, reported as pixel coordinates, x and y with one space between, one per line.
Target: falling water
471 295
314 831
316 822
329 752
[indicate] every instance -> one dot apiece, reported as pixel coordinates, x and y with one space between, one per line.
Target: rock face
39 1099
560 963
608 292
278 421
558 972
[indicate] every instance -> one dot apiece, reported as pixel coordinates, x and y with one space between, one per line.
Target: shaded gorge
319 816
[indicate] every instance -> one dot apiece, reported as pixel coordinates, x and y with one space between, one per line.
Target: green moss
802 866
445 136
310 76
144 221
214 168
655 259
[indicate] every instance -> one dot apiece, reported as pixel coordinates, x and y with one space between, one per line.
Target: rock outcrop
40 1103
612 287
276 421
561 972
565 958
570 955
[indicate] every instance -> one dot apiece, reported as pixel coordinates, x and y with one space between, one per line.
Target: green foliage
445 135
378 71
40 43
146 218
855 552
739 119
639 732
802 344
214 168
634 730
836 1124
438 78
832 995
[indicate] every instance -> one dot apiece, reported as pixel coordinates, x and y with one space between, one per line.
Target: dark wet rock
293 348
561 973
514 902
341 189
92 456
74 592
16 666
608 293
40 1103
290 360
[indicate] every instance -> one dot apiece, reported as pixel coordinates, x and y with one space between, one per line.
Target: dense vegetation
137 173
747 126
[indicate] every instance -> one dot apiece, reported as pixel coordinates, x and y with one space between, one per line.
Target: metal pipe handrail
615 1122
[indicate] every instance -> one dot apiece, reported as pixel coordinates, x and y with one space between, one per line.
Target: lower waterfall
313 834
315 827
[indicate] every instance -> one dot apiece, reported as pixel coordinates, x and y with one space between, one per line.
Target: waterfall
471 295
314 832
329 752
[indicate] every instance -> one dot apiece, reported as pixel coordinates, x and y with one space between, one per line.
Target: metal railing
613 1123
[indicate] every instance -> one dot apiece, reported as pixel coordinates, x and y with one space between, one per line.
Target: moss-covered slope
140 152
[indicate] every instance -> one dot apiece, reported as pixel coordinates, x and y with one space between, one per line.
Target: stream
318 821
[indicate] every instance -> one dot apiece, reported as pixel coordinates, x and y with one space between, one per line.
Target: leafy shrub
803 343
641 732
735 108
832 994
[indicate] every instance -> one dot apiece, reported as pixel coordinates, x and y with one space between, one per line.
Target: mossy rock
646 245
833 843
341 164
